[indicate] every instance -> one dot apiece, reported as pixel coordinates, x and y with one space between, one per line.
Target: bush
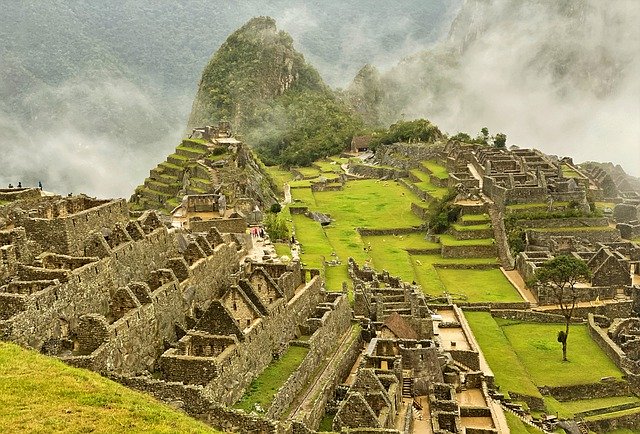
275 208
443 212
419 130
276 227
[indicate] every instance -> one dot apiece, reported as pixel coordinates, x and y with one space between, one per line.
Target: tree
561 274
500 140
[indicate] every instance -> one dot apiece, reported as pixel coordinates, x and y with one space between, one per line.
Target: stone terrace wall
225 226
87 291
195 402
573 222
612 350
321 342
477 251
602 389
531 316
629 421
67 235
210 277
134 260
137 339
377 172
545 295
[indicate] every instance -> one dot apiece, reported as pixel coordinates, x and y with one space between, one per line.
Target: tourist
40 185
19 184
261 233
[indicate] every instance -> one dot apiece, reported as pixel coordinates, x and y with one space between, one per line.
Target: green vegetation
282 249
562 273
510 374
475 218
279 176
537 349
436 169
443 212
517 426
263 389
424 268
479 285
419 130
41 394
567 409
276 227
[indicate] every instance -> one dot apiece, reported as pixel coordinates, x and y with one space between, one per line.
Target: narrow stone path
304 401
516 280
500 233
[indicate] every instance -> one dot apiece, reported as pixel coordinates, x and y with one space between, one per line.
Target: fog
563 77
94 135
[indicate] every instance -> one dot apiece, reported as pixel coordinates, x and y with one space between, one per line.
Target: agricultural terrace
525 356
385 205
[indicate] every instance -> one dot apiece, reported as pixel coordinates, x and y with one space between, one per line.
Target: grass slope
42 394
264 388
479 285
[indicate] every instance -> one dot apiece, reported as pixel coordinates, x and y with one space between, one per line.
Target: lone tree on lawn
561 274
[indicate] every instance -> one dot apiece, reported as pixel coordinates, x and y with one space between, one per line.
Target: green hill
42 394
278 102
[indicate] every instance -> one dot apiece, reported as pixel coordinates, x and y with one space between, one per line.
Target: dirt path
516 280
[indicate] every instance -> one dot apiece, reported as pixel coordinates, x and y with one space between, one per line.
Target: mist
562 77
94 135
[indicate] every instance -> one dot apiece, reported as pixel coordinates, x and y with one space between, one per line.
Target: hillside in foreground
42 394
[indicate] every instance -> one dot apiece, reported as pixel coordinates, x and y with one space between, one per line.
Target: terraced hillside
198 167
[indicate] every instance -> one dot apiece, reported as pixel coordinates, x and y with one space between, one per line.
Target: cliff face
256 64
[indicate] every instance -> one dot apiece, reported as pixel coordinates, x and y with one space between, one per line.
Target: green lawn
42 394
475 218
489 285
478 227
315 245
436 169
263 389
370 204
427 276
541 355
518 427
421 175
567 409
303 196
510 374
435 192
282 249
308 172
327 166
279 176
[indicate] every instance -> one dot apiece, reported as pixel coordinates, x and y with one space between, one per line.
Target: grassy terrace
279 176
421 175
432 190
308 172
42 394
263 389
328 166
475 218
478 227
518 427
479 285
436 169
526 355
424 269
568 409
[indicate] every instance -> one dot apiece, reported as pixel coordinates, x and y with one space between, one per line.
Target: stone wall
477 251
225 226
321 343
531 316
68 234
195 402
377 172
628 421
543 237
602 389
612 350
545 294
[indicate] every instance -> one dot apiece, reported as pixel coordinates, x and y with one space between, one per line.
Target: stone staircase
407 387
